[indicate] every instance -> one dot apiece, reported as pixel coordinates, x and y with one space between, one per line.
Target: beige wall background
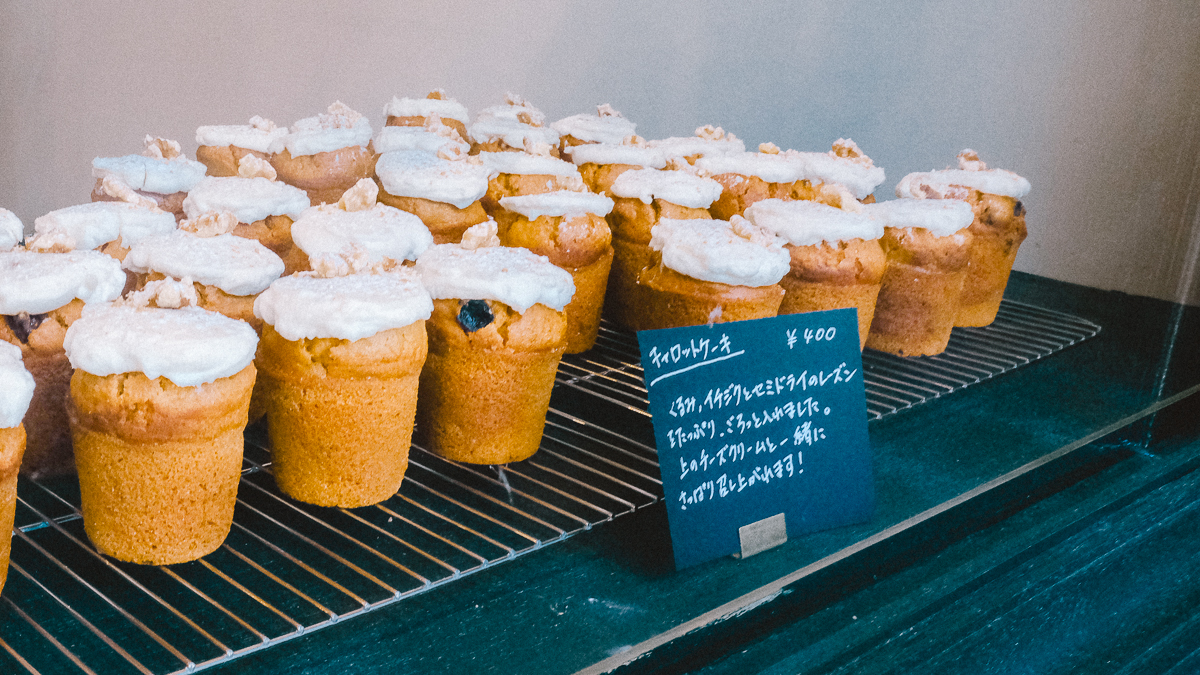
1097 102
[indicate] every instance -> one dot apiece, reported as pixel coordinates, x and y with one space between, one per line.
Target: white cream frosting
687 146
16 386
41 282
513 133
711 250
516 109
805 223
338 128
380 231
236 265
189 346
676 187
527 165
566 203
391 139
826 167
771 168
594 128
424 107
517 277
259 135
605 153
248 199
348 308
412 173
151 174
942 217
12 231
97 223
940 184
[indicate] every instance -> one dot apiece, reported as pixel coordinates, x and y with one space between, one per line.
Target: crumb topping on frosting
361 197
250 166
481 235
211 224
164 294
114 186
162 148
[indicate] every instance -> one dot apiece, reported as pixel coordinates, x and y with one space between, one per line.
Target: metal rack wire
288 569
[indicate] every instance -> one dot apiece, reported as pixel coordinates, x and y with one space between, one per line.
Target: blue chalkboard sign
757 418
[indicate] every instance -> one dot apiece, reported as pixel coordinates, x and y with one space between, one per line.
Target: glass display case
1034 484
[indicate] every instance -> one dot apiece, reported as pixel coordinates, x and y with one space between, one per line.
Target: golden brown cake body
12 447
340 413
740 192
325 176
48 448
580 245
159 464
671 300
599 177
631 221
918 298
223 160
275 232
514 185
484 394
446 222
840 275
997 231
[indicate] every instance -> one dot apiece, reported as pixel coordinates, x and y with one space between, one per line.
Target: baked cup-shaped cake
340 359
711 271
360 232
12 231
327 154
515 126
928 251
997 230
161 174
221 147
514 174
158 405
708 141
748 177
444 193
839 178
569 229
601 163
263 208
416 112
16 391
642 198
606 126
837 259
41 295
495 339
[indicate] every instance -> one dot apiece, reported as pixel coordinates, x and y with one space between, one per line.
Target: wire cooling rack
288 569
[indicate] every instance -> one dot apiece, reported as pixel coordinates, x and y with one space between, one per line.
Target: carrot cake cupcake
836 258
839 178
748 177
927 243
416 112
997 230
222 147
606 126
707 141
327 154
434 138
513 174
600 163
514 127
711 271
444 193
495 339
340 359
157 408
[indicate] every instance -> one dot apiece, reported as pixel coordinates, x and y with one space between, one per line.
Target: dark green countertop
1028 443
